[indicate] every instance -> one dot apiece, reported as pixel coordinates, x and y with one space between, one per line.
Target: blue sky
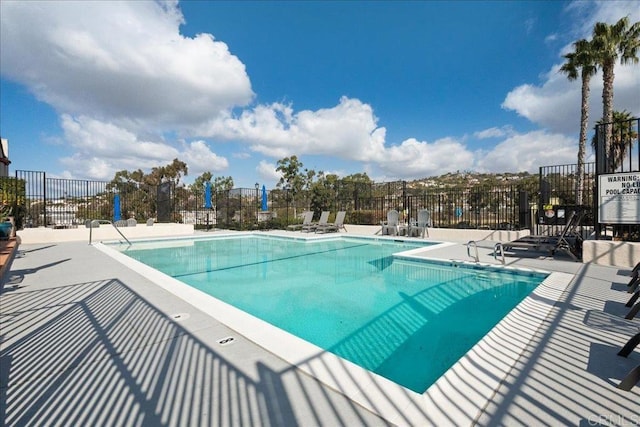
399 90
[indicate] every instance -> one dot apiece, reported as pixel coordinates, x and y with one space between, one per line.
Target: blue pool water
406 320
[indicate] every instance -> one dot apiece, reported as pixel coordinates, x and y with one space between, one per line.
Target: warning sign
619 198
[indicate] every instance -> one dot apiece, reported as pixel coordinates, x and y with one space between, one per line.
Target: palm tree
611 42
581 60
622 136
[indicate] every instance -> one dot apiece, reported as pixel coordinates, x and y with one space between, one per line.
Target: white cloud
515 153
586 14
110 141
199 158
122 76
267 173
529 25
494 132
415 158
349 131
527 152
102 149
122 62
551 38
555 102
90 167
241 155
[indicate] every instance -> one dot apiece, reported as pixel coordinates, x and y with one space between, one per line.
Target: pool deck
86 340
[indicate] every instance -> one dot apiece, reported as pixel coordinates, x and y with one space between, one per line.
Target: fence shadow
13 279
97 353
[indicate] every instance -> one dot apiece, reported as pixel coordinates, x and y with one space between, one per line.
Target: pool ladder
104 221
498 247
471 243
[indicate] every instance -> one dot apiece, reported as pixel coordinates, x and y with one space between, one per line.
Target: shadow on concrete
606 365
610 322
15 277
97 353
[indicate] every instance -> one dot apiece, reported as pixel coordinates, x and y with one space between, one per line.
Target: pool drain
180 316
226 341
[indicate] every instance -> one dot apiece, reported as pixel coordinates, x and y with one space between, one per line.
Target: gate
558 198
164 202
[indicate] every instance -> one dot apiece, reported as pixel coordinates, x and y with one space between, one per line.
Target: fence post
44 197
404 197
524 211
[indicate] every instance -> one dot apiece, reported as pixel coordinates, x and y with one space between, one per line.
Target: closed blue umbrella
264 199
207 196
116 208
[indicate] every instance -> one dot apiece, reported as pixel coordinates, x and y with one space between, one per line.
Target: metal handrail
105 221
496 247
469 244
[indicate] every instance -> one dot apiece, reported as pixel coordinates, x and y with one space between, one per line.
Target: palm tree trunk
584 123
607 108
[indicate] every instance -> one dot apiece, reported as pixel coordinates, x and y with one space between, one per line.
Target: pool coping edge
460 394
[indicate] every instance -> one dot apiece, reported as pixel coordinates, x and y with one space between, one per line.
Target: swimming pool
406 320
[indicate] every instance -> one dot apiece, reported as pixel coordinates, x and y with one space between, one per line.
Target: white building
4 157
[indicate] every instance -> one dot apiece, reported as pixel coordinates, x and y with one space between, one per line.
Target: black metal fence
38 200
558 193
64 203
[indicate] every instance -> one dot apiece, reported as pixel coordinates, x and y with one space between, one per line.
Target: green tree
323 192
222 183
612 42
581 62
622 136
137 196
171 172
138 189
353 187
197 188
292 179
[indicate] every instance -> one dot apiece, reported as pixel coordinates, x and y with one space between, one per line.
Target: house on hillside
4 157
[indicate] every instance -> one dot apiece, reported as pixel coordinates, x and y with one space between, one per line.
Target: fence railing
39 200
63 203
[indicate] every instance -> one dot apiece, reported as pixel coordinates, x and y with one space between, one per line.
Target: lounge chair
324 219
633 285
568 241
424 221
307 216
630 345
633 377
335 227
390 226
634 282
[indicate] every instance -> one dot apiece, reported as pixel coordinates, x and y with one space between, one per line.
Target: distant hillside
470 179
